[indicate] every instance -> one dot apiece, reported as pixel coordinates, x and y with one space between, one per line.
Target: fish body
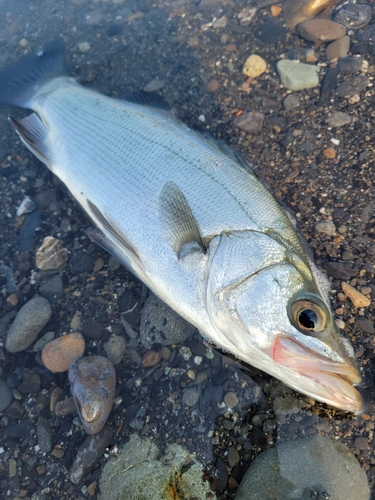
190 219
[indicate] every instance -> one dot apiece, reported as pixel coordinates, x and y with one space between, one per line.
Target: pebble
233 456
93 329
151 358
352 86
51 255
65 407
209 5
84 46
23 42
353 15
6 395
31 382
321 30
44 435
27 206
92 383
160 324
326 227
220 23
43 341
247 15
291 101
361 443
91 450
364 324
52 289
231 400
338 49
294 469
115 349
297 76
254 66
81 261
154 85
27 231
212 86
30 320
329 153
338 119
357 298
12 300
250 121
191 396
57 395
340 270
59 354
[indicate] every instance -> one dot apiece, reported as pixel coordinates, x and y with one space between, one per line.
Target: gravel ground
321 170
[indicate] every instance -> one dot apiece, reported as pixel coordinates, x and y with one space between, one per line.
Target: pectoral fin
177 219
33 133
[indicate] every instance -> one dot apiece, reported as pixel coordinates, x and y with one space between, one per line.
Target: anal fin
33 133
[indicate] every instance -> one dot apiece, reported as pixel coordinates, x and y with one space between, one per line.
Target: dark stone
213 393
340 270
44 434
353 15
271 33
30 382
113 30
27 230
53 473
93 329
80 261
257 437
353 86
328 85
52 289
89 453
364 324
18 430
349 65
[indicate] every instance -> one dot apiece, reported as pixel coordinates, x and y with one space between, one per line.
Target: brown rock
59 354
212 86
151 358
51 254
357 298
65 407
57 395
251 122
58 452
338 48
329 153
13 299
321 30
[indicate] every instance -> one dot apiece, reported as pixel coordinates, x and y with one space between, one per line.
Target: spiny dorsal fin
33 133
177 219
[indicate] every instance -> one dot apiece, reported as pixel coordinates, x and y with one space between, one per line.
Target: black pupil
308 319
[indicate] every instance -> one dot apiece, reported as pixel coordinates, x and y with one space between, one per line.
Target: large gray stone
303 468
140 473
297 76
30 320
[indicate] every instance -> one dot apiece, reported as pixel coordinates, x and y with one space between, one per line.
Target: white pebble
202 118
198 360
84 46
336 142
340 323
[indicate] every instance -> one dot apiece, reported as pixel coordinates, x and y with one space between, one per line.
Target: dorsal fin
177 219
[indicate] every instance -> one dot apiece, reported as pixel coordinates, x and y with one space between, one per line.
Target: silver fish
188 217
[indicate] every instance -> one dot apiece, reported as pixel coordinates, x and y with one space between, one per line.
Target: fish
189 217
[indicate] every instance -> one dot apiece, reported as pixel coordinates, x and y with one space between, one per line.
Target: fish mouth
332 382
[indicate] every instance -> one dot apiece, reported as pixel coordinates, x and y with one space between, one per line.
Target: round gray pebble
30 320
6 395
190 396
44 433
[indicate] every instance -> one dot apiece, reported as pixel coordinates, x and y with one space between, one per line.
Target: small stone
57 395
52 289
357 298
89 453
30 382
154 85
81 261
254 66
65 407
51 255
44 435
276 10
361 443
13 300
296 12
93 329
12 467
321 30
231 400
91 488
191 396
212 86
6 395
30 320
329 153
349 65
251 122
310 56
338 49
353 15
209 5
326 227
92 383
364 324
247 15
151 358
23 42
338 119
291 101
115 349
43 341
297 76
353 86
165 353
220 23
84 46
233 456
58 453
59 354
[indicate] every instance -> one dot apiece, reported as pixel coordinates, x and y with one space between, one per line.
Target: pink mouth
333 381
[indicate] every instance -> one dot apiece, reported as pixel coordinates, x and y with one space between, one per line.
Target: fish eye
308 316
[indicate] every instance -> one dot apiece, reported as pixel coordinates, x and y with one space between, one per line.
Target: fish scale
184 215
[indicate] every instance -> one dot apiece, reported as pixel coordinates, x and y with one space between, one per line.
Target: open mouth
333 381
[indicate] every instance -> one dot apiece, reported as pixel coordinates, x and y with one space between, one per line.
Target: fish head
275 321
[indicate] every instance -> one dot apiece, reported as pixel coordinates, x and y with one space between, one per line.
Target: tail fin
19 81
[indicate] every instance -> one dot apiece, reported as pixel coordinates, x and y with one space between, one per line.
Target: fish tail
21 80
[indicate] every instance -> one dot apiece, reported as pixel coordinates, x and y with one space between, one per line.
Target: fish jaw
333 381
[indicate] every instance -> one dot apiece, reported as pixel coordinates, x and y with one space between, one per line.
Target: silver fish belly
186 216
